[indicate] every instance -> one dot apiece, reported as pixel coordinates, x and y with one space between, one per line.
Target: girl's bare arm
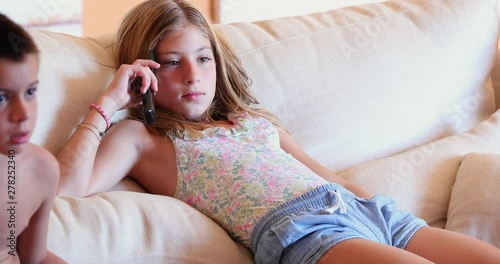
89 166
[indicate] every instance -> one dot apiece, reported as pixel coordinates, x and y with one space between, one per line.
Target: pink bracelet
98 108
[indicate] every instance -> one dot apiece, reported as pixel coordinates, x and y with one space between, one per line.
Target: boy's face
18 103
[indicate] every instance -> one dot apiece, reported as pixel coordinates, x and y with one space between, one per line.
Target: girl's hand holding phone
120 91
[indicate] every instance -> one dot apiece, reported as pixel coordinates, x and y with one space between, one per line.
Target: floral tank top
236 175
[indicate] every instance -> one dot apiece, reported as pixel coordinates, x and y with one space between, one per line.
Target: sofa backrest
352 85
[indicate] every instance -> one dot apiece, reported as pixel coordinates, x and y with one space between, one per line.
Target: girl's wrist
107 105
100 113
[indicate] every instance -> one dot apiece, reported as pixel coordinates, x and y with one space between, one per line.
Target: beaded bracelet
99 109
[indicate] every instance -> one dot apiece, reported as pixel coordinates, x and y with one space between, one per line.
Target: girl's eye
170 63
3 98
205 59
31 92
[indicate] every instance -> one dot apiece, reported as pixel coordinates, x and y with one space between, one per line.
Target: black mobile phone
148 103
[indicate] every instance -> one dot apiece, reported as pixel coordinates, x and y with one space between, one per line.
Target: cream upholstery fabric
353 85
74 72
475 198
374 80
421 179
127 227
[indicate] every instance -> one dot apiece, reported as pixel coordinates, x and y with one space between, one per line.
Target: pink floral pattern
236 175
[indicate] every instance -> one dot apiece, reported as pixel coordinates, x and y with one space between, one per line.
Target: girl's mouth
193 95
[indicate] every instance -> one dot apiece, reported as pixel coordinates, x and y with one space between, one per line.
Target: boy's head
15 42
18 84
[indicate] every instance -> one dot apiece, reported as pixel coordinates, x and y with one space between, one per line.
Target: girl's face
18 103
187 76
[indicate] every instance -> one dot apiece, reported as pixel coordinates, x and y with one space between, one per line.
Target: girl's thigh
361 251
444 246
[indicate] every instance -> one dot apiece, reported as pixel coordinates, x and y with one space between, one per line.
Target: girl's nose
191 74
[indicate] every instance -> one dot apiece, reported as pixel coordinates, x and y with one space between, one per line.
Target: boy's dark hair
15 41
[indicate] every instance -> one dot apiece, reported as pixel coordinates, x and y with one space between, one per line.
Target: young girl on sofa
30 174
213 148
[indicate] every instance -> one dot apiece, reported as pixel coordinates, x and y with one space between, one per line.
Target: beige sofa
396 96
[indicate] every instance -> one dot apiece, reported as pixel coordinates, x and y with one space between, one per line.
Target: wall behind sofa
250 10
53 15
101 17
91 18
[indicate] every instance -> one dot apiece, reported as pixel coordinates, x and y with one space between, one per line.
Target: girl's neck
217 123
205 121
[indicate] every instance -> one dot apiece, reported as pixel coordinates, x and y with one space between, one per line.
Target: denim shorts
303 229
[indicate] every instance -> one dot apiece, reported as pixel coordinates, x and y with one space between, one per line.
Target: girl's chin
196 117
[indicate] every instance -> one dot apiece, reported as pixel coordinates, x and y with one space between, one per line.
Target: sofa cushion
367 81
74 72
129 227
421 179
474 205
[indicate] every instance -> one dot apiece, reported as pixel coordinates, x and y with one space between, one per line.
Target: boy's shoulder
39 154
37 158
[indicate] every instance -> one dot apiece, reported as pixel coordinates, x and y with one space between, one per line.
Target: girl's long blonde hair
146 24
